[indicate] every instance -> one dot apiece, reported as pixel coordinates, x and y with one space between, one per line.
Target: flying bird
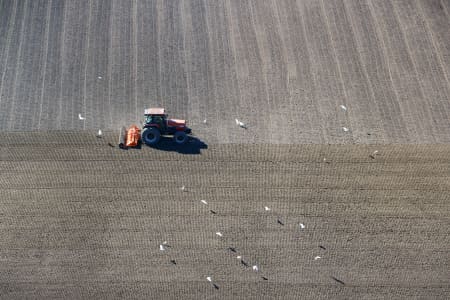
322 247
302 226
173 261
219 233
317 257
343 107
209 279
240 124
255 268
213 212
264 278
81 117
279 222
232 249
204 202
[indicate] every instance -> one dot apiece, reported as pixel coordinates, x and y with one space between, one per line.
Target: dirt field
283 67
82 219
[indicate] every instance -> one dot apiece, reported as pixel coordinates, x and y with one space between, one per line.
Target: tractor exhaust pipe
122 136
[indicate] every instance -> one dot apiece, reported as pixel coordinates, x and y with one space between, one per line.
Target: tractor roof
154 111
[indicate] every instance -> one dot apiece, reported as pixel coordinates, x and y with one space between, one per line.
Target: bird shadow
337 280
192 147
244 263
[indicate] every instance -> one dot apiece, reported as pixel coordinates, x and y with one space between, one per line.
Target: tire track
327 89
148 71
5 50
362 106
52 84
374 60
73 57
18 66
432 80
404 75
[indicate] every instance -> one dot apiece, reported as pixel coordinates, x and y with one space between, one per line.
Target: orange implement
133 136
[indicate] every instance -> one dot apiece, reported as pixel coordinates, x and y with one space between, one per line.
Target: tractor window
157 119
154 120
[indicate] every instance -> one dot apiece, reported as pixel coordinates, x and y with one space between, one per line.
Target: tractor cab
155 117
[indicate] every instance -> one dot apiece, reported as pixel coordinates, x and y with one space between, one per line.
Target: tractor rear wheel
151 136
180 137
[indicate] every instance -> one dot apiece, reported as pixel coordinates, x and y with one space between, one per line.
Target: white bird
302 226
99 77
165 243
343 107
204 121
219 233
209 279
204 202
317 257
240 124
161 247
99 133
255 268
238 257
375 152
345 129
183 188
266 208
81 117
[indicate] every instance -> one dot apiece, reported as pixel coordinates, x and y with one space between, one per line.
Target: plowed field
82 219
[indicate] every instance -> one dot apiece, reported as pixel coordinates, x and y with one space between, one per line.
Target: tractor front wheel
151 136
180 137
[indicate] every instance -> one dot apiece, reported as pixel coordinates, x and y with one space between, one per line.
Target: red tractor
156 124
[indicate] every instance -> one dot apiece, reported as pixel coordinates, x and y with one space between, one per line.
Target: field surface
283 67
80 218
338 189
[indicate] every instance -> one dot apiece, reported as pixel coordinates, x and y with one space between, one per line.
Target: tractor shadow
193 146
